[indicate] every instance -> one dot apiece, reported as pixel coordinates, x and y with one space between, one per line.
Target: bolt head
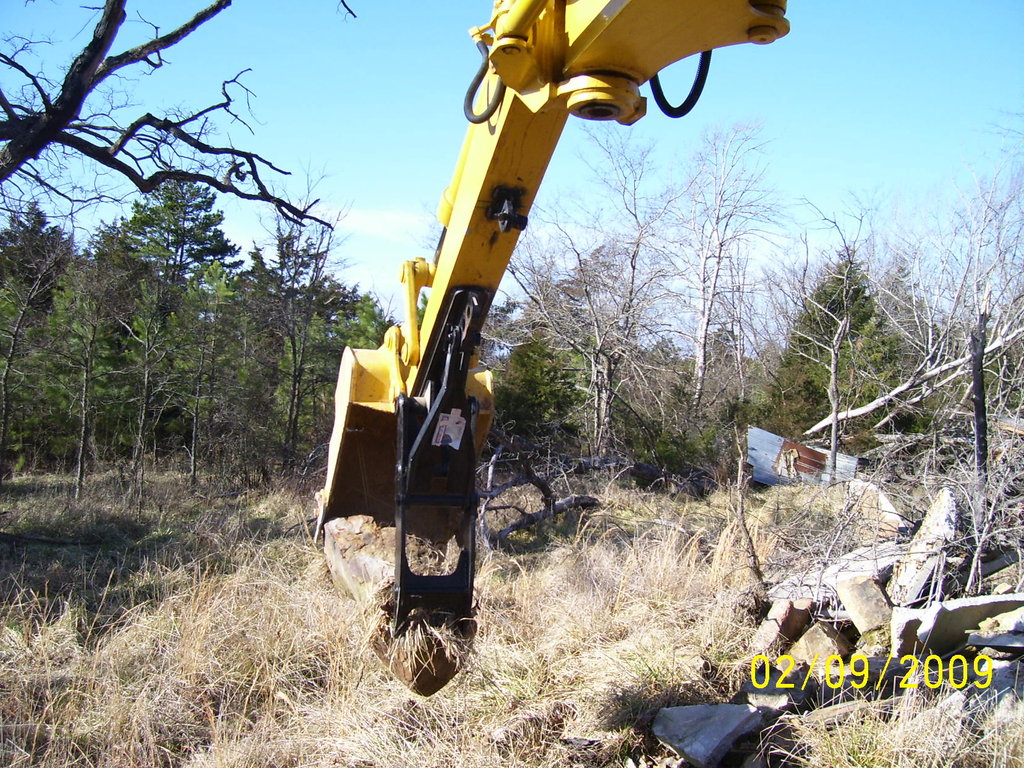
762 35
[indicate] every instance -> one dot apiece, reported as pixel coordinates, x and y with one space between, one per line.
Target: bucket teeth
428 654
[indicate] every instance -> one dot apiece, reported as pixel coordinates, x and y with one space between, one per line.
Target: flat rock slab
785 690
945 627
784 623
704 733
819 583
1006 686
1011 642
1003 632
818 643
922 564
1011 621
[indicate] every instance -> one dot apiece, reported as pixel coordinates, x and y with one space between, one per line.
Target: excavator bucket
398 515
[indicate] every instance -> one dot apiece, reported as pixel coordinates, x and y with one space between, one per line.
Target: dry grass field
205 631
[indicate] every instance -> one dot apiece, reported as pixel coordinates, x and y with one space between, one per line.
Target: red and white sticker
450 428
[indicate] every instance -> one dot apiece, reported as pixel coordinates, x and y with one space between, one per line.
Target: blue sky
879 99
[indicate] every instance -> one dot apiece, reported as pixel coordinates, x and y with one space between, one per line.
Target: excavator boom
399 504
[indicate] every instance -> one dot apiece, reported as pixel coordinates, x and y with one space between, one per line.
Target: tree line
659 317
653 322
155 344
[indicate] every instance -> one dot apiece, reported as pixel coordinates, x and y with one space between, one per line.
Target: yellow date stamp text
861 671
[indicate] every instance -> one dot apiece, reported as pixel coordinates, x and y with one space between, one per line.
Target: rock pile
865 628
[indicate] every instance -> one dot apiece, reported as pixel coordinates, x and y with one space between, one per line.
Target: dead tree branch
956 368
576 501
42 124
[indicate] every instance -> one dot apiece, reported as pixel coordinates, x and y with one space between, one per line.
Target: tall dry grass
206 632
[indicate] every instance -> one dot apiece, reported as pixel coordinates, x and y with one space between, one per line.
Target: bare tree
828 307
597 286
297 297
634 281
85 306
48 123
723 208
934 287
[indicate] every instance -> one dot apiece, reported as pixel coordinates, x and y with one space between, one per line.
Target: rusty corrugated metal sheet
778 461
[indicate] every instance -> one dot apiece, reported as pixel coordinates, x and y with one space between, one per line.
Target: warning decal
450 428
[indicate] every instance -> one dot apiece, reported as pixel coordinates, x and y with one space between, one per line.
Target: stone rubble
868 609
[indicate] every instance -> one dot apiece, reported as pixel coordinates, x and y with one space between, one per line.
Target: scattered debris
778 461
819 584
1005 690
998 562
945 627
889 600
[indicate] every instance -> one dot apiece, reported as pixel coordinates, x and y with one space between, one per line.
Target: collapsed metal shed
778 461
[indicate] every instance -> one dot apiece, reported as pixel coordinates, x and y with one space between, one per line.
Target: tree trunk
197 400
139 447
709 296
833 395
5 392
978 336
291 437
193 443
83 425
601 385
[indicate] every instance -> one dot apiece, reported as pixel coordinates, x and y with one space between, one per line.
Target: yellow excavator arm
411 417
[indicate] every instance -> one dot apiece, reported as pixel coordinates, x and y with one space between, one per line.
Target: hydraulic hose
474 86
695 90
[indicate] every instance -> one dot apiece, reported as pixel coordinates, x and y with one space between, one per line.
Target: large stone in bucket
360 554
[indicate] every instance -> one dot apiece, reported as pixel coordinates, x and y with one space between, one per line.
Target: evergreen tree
172 236
838 348
203 365
33 254
536 393
177 230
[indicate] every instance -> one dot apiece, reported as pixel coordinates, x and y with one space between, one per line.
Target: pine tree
536 393
172 237
838 350
177 230
33 254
